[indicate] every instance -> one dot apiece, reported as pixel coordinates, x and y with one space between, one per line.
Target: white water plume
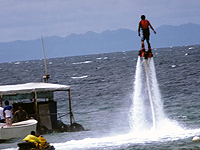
147 110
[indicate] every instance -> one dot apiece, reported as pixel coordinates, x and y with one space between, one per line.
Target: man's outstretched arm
139 30
152 28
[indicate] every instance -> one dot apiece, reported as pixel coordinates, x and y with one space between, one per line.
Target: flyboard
147 55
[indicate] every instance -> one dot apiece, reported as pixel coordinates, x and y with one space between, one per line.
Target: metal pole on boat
36 107
47 76
70 108
1 101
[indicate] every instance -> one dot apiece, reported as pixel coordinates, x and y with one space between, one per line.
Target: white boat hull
19 129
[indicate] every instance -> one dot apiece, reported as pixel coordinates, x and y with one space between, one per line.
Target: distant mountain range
93 43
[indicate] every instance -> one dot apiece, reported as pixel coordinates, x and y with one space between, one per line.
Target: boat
19 129
29 146
37 99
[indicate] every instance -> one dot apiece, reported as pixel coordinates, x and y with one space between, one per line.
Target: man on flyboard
144 25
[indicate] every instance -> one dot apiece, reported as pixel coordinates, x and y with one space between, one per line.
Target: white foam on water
17 63
81 77
84 62
170 131
191 48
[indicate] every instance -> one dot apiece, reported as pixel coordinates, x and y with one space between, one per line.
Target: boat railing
59 115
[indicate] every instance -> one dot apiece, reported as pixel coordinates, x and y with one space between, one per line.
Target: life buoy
63 127
76 127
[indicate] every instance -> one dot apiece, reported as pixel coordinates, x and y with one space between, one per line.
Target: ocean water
110 99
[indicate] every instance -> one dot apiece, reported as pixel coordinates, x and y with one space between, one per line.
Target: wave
99 58
17 63
81 77
84 62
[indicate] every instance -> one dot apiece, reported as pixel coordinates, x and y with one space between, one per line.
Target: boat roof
31 88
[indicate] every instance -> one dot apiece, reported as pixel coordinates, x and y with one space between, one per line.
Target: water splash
147 110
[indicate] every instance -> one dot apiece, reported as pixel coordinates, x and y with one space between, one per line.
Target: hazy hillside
92 43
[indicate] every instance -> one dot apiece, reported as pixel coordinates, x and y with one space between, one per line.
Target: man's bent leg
142 43
143 48
149 45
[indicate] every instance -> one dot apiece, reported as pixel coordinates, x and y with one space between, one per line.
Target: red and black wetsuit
144 24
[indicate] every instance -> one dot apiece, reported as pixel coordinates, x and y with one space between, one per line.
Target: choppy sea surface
103 89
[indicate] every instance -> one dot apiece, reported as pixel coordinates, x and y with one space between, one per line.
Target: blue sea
110 99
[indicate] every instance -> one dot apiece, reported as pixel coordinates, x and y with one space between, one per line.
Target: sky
31 19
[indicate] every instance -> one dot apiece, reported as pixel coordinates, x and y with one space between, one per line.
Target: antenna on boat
47 76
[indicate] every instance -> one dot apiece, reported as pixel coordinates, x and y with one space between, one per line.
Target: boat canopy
33 91
32 88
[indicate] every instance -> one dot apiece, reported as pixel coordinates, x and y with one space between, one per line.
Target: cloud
25 20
